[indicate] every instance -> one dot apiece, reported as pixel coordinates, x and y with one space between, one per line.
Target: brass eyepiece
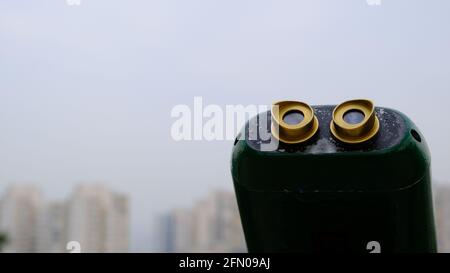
293 122
355 121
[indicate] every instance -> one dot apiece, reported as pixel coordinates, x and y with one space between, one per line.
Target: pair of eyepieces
353 122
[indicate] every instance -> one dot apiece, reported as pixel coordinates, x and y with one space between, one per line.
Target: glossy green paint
336 202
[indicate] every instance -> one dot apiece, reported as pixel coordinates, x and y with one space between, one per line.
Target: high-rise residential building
175 231
20 209
164 233
117 224
94 216
216 224
52 231
211 225
98 219
442 216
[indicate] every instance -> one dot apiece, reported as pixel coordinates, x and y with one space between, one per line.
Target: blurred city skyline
97 219
87 91
93 218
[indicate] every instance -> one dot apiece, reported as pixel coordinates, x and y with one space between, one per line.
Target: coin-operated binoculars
346 178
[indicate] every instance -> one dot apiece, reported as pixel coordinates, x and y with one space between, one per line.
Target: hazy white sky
86 92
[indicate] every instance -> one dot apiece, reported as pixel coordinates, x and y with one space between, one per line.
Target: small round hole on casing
416 135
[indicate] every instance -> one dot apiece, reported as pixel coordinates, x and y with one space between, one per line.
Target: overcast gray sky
86 91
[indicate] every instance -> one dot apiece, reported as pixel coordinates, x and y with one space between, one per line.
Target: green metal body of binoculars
328 195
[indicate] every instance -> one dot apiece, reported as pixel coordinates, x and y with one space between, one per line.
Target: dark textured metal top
392 130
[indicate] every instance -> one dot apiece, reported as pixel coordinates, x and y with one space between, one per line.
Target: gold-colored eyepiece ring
359 132
293 133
